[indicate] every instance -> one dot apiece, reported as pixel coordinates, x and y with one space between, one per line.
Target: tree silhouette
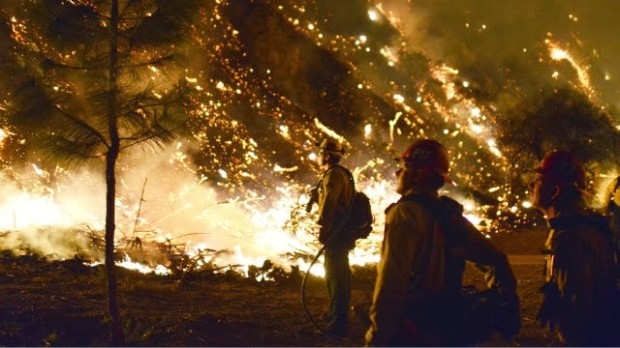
562 119
91 79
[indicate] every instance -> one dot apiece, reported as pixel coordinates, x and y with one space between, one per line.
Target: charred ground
63 303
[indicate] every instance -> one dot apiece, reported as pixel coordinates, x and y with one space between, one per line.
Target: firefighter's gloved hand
509 315
548 313
324 234
314 197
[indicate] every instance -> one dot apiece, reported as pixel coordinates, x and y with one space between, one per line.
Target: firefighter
579 293
612 208
335 195
418 297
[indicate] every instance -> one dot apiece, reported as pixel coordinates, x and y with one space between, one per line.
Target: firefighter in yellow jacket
418 288
612 208
335 195
580 292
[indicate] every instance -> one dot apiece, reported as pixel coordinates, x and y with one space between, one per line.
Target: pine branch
138 141
84 125
51 62
157 61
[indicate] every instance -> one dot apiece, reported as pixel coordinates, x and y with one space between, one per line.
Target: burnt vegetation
62 303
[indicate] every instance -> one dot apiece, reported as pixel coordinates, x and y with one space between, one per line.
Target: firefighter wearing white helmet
417 298
334 194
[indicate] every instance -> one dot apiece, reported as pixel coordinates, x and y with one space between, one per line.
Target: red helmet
563 167
429 154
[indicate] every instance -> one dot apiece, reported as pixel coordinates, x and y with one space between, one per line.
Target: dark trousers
338 279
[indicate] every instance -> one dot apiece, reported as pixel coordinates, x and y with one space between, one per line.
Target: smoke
39 217
499 46
160 199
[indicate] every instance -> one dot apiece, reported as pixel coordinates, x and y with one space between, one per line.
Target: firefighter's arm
548 313
490 260
393 276
559 291
574 275
500 279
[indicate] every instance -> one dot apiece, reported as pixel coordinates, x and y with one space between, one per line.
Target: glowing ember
373 15
560 54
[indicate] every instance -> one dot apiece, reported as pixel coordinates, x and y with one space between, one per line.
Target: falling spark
390 54
476 112
476 128
284 131
393 125
560 54
330 132
373 15
38 170
493 148
279 169
367 131
399 98
4 135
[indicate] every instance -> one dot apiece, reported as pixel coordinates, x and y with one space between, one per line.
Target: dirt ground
63 303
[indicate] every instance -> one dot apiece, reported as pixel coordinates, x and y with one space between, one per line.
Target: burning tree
92 79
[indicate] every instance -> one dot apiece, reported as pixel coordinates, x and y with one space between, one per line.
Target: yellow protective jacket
407 238
610 195
335 195
581 274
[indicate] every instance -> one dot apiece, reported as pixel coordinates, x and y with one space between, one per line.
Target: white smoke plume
159 198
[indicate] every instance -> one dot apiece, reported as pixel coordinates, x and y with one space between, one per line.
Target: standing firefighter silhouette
335 194
418 297
580 289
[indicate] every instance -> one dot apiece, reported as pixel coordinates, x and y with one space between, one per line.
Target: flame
266 230
183 214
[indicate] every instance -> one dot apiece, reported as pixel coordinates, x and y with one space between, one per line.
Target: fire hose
303 291
339 228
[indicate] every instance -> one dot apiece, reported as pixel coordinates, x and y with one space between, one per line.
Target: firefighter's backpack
360 219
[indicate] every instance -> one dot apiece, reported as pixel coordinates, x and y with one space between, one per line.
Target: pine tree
93 78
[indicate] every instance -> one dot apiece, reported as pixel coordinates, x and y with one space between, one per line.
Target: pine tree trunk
116 329
117 336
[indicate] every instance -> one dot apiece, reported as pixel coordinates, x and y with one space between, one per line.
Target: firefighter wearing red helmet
579 293
418 291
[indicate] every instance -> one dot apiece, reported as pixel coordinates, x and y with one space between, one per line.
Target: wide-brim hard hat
331 146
